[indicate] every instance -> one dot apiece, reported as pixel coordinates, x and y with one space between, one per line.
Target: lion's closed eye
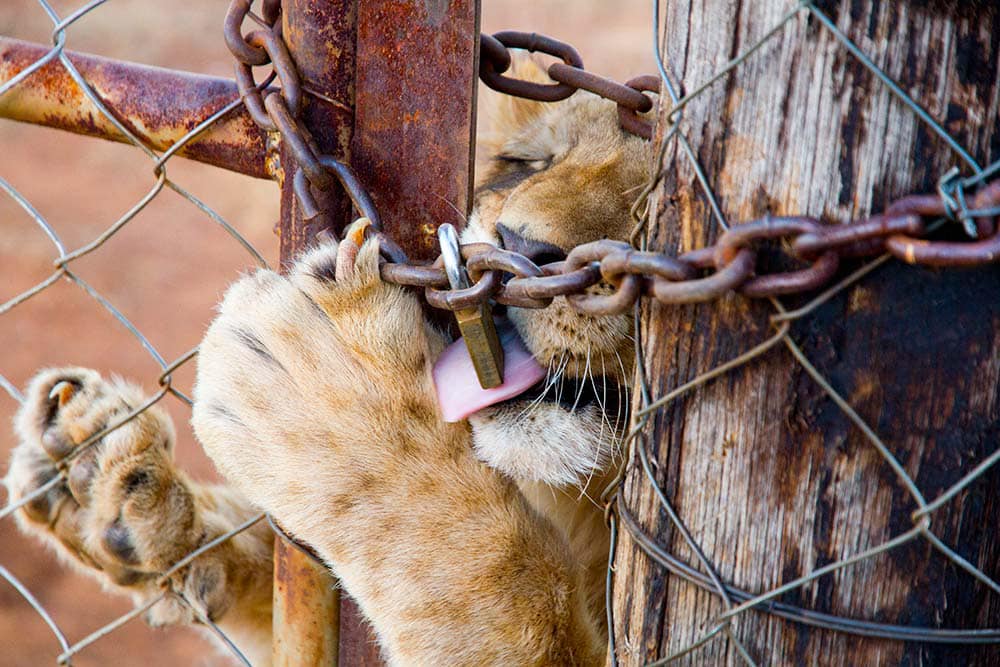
530 162
508 170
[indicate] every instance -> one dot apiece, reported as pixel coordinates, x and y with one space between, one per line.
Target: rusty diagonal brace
160 106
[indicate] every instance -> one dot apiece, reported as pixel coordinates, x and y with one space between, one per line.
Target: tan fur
127 514
464 544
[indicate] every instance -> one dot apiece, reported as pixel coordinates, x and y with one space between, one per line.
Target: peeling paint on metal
159 106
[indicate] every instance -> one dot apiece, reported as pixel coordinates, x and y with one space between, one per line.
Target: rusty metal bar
416 114
320 36
159 106
306 610
413 147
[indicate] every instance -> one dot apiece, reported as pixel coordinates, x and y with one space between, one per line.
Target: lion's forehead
566 178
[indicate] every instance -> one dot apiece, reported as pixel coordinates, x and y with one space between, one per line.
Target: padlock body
480 334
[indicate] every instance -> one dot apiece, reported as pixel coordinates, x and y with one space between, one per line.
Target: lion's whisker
623 405
550 380
597 450
583 383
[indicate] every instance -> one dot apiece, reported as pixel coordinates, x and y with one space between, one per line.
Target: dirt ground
164 270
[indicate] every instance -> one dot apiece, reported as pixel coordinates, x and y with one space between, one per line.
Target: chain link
278 111
709 273
569 75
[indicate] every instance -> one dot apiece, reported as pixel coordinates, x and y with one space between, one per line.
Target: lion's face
556 176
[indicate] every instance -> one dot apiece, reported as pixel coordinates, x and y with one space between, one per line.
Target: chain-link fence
172 296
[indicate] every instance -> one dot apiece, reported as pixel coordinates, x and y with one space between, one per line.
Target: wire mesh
736 602
63 264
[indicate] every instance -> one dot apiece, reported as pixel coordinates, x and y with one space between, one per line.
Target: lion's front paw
116 506
308 383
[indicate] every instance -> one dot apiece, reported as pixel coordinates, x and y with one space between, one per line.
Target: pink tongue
458 389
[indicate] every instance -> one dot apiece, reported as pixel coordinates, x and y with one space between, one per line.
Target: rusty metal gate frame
412 100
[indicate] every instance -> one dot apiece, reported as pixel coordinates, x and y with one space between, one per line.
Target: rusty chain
277 111
569 75
731 264
621 273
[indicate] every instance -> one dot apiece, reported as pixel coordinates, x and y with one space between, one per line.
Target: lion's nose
538 252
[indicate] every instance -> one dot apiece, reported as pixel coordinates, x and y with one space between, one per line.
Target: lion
477 542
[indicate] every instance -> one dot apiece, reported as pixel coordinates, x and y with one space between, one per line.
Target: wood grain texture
768 474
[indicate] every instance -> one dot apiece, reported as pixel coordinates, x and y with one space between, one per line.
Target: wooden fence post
770 476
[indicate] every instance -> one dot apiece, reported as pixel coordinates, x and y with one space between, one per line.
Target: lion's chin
549 439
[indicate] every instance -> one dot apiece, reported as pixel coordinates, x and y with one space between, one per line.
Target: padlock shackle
451 255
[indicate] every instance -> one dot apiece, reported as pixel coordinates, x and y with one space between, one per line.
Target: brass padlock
476 324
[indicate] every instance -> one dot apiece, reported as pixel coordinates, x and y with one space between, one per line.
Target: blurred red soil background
164 270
